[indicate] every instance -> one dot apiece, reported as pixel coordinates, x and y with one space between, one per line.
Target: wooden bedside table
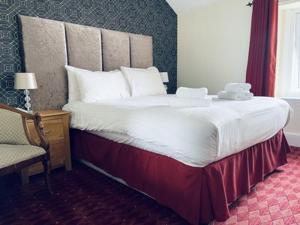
56 129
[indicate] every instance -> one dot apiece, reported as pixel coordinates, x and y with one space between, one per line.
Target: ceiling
179 5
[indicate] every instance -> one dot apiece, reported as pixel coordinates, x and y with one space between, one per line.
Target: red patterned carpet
84 196
275 201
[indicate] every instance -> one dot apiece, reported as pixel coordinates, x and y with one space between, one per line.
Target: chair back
12 128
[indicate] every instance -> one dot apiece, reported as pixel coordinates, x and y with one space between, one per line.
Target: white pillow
144 82
97 86
74 94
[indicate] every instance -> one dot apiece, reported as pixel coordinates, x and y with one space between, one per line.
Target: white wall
213 43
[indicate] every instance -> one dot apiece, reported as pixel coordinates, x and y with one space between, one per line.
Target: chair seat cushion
13 154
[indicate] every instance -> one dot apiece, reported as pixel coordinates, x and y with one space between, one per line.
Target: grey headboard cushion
49 45
84 47
141 51
116 49
46 54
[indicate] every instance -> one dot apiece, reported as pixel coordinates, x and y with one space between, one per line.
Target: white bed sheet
196 136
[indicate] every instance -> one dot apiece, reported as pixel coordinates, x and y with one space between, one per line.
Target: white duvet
195 134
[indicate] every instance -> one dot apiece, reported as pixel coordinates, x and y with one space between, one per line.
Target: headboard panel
141 51
84 47
116 49
49 45
46 54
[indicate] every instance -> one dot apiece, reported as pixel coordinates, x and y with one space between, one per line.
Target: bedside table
56 130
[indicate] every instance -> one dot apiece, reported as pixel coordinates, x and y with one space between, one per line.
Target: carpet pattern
276 201
84 196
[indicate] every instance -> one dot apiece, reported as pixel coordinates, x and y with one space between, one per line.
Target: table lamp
26 82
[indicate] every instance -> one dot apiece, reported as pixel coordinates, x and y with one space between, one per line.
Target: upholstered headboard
49 45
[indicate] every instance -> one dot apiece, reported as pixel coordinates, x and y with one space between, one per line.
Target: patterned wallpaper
149 17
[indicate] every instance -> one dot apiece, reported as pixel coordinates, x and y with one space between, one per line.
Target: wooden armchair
17 149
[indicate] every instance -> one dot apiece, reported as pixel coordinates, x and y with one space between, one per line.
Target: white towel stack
191 97
236 91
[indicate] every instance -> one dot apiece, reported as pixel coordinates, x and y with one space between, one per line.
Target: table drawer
57 150
54 130
57 158
55 125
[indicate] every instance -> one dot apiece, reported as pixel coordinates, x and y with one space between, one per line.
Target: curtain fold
261 69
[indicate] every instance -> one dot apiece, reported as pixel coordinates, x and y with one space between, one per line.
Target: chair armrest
40 131
23 114
36 118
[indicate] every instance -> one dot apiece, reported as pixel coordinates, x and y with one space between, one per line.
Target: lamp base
27 100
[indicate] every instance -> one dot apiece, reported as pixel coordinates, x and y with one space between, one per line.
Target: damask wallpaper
149 17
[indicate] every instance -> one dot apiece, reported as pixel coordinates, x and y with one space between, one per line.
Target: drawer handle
48 132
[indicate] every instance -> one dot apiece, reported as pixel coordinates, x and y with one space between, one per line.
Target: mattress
194 135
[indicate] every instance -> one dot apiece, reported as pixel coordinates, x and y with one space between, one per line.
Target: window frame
288 64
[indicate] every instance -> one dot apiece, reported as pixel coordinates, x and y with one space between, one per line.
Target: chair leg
24 176
46 174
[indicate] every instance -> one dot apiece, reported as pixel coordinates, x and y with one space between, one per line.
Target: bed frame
199 195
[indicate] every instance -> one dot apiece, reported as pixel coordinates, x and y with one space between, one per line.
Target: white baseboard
293 138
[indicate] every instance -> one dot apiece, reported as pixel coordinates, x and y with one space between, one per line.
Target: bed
194 160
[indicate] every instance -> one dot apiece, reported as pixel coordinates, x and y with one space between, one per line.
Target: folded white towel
237 87
184 92
239 96
191 102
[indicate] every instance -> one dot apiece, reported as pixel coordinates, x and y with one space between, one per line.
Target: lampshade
164 76
25 81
